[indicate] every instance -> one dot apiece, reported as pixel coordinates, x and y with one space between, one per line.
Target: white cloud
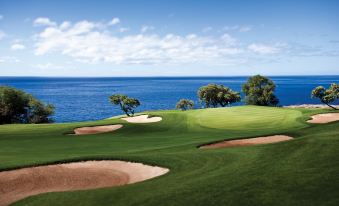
2 34
245 28
47 66
207 29
228 39
65 25
240 28
146 28
114 21
264 49
88 42
92 42
9 59
123 29
18 47
229 28
43 21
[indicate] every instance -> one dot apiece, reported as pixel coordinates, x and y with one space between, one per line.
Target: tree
39 112
326 96
126 104
213 95
184 104
17 106
259 90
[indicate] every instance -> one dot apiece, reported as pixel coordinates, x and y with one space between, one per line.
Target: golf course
299 171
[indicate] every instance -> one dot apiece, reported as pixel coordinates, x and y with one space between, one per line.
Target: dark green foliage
184 104
259 90
126 104
214 95
326 96
19 107
39 112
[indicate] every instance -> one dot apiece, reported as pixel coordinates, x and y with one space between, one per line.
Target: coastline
311 106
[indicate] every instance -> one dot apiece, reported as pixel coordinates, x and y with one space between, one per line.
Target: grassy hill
304 171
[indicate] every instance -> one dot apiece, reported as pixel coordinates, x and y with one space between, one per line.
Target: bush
184 104
17 106
213 95
259 90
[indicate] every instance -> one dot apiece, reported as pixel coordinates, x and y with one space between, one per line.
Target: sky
169 38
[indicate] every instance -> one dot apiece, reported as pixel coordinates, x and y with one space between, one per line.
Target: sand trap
324 118
247 142
142 119
21 183
96 129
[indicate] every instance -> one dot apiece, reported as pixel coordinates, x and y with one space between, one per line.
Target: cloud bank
92 42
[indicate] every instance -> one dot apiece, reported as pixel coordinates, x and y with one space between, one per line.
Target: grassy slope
299 172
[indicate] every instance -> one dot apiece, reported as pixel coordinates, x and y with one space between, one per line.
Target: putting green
235 118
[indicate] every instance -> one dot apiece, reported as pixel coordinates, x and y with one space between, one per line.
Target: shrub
185 104
17 106
259 90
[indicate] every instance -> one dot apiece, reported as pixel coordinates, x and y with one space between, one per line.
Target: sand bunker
21 183
247 142
142 119
96 129
324 118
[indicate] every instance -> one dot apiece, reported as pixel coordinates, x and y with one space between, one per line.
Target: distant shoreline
311 106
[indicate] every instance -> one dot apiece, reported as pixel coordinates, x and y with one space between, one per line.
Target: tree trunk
328 105
331 106
123 109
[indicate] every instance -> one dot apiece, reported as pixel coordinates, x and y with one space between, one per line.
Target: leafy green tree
185 104
259 90
17 106
126 104
326 96
213 95
39 112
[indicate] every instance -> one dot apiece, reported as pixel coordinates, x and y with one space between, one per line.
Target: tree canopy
259 90
126 104
185 104
17 106
326 96
214 95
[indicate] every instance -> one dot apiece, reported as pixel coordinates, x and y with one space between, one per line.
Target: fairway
302 171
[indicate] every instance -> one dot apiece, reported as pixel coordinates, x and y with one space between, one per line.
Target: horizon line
200 76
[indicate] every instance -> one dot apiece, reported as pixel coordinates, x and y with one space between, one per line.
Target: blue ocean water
83 99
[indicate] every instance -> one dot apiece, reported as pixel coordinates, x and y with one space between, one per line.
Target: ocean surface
84 99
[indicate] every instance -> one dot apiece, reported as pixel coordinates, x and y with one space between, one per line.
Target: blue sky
168 38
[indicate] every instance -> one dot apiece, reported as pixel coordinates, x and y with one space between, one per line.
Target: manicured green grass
304 171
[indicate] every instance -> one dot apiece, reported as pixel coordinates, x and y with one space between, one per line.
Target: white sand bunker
96 129
142 119
324 118
247 142
21 183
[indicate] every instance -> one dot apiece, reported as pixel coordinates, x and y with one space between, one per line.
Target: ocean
84 99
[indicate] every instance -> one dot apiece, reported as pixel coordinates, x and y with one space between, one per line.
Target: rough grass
304 171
